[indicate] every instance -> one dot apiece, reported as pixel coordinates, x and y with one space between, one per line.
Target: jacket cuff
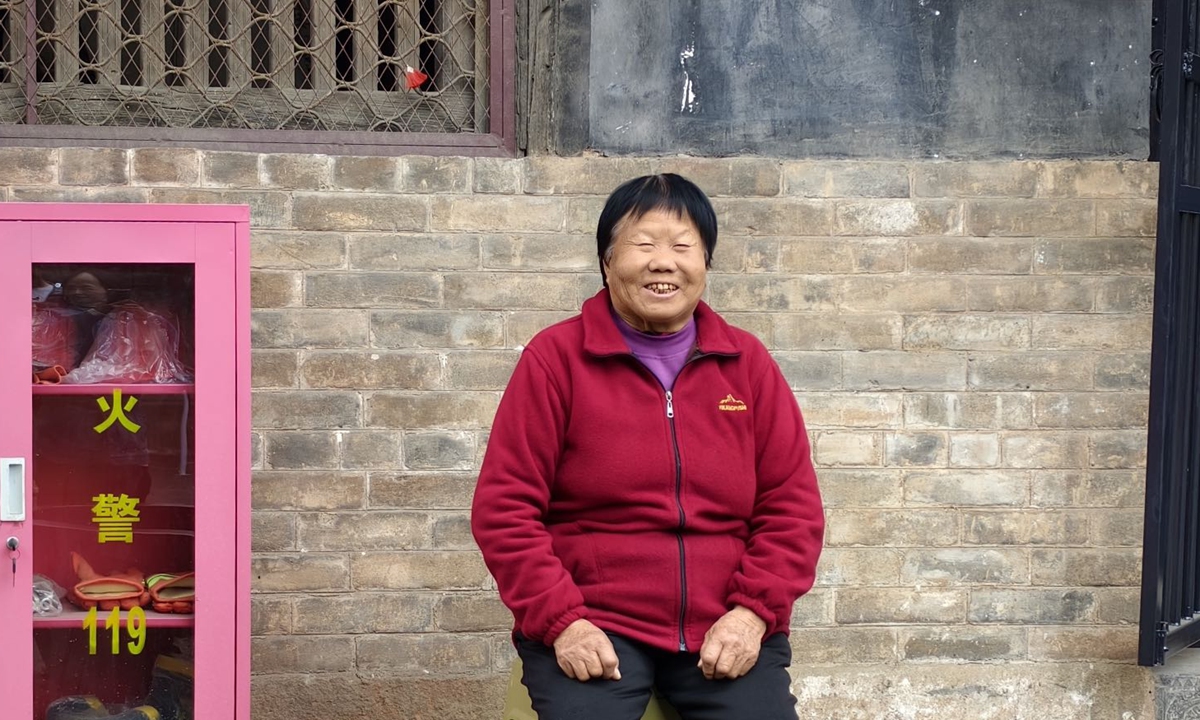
561 624
758 608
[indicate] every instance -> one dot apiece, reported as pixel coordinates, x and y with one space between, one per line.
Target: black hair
665 191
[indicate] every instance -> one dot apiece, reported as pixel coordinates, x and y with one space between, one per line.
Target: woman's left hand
731 645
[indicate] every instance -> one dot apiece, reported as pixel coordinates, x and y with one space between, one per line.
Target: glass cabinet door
128 539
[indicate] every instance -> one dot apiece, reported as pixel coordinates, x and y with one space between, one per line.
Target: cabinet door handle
12 489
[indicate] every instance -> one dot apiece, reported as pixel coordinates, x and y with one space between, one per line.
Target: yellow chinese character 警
116 516
117 412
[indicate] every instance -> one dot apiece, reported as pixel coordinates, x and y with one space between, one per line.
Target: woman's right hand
585 652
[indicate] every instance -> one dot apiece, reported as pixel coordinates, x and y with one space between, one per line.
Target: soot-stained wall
855 78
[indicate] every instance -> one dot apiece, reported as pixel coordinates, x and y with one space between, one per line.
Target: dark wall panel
859 78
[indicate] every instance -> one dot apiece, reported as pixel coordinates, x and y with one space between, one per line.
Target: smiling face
656 271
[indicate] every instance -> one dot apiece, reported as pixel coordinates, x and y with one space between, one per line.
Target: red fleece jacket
649 513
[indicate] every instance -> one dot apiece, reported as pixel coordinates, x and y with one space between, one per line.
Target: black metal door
1170 613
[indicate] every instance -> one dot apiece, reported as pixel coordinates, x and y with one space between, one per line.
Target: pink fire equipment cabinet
124 462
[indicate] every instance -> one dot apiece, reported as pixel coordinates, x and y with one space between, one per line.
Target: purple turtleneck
663 355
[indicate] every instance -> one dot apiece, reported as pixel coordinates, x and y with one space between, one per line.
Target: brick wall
970 343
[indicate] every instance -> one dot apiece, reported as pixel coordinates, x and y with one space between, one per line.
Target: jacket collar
601 336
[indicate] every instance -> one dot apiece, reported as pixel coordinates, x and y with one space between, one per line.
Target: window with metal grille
359 69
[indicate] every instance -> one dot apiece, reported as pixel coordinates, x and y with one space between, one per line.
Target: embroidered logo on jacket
731 404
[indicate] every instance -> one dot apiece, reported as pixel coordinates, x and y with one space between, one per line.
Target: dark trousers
762 694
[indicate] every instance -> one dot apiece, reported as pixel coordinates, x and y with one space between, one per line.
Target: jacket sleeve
512 498
788 522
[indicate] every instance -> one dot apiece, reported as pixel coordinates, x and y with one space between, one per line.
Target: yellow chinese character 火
117 412
116 516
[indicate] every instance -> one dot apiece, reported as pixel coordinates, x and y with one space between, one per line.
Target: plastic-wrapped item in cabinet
133 344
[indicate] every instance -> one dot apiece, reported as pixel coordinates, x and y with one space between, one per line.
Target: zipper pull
670 406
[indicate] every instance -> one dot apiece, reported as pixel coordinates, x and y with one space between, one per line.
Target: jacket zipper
682 521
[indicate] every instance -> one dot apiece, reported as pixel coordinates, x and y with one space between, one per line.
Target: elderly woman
647 503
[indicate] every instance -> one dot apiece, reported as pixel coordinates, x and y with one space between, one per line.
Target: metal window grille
358 69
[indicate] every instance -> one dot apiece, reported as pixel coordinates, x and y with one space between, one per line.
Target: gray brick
811 371
499 175
272 532
421 490
371 450
739 216
973 410
306 410
230 169
899 605
346 211
1075 567
426 174
165 166
1031 606
914 449
28 166
434 570
961 566
297 251
855 179
1096 488
1118 449
819 255
328 490
903 294
975 179
296 172
1030 217
1030 294
365 612
966 332
898 217
444 410
827 410
301 450
961 644
1032 371
904 371
421 654
479 370
273 369
1095 332
373 174
497 214
538 252
488 291
893 527
364 371
93 166
1045 450
291 654
470 612
374 530
414 252
547 175
437 329
439 451
998 256
320 573
274 289
769 292
1095 256
389 290
861 488
1126 218
967 487
309 328
1091 410
1024 527
856 567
